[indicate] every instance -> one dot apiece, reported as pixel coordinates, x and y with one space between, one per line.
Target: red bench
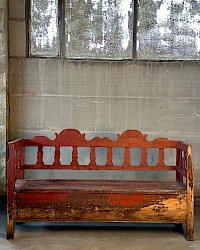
100 200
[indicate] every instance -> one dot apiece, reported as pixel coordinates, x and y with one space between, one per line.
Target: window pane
44 28
169 30
99 29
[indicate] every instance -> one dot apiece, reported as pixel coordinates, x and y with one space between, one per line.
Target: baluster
40 156
178 157
18 160
57 156
22 156
15 160
182 163
74 156
185 162
179 177
127 157
92 156
109 157
144 157
161 155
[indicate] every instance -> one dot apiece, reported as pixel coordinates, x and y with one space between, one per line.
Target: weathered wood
74 157
190 197
181 172
144 157
22 158
101 186
179 175
73 138
83 206
10 226
109 157
127 157
161 158
92 156
100 200
77 166
57 156
40 156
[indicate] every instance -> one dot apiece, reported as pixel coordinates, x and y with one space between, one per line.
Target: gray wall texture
3 77
161 99
48 95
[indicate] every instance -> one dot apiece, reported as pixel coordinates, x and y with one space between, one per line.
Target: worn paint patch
97 207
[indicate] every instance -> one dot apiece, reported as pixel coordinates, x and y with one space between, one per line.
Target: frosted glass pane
44 28
99 29
168 30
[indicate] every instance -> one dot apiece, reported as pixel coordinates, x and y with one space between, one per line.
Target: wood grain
100 200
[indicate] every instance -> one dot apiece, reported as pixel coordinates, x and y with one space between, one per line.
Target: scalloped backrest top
74 138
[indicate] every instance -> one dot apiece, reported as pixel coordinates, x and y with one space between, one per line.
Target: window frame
62 38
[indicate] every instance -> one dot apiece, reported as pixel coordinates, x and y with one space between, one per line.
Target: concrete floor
49 236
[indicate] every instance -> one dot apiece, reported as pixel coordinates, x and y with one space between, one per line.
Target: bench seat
121 186
100 200
161 200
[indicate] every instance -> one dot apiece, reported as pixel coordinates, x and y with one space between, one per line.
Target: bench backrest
127 140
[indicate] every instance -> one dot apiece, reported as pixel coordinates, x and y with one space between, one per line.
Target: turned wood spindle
179 177
92 156
40 156
127 157
161 157
74 156
144 157
57 156
109 157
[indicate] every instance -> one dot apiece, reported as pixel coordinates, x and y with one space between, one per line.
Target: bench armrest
185 152
184 160
16 160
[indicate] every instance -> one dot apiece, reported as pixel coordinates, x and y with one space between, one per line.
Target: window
44 25
115 29
99 29
169 30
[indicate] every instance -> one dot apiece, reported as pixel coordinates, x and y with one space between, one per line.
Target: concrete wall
3 76
48 95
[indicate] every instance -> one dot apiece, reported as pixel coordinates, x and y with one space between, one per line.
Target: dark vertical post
144 157
57 156
179 177
127 157
161 157
40 156
21 163
109 157
74 156
92 156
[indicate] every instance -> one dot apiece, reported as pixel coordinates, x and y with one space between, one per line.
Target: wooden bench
96 200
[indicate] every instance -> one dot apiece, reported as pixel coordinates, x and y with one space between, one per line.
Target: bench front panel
105 207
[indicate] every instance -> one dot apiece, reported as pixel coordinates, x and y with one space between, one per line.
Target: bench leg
10 228
190 197
190 229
